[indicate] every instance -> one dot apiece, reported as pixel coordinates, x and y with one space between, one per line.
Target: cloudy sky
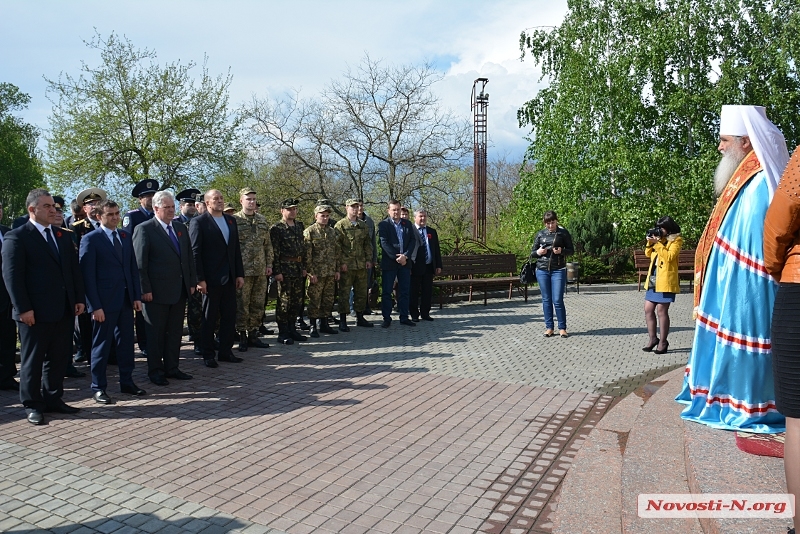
272 47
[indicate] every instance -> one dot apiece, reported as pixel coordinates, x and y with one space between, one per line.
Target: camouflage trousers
250 303
194 314
357 279
320 297
290 299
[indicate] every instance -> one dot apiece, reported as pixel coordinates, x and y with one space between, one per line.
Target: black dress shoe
386 323
257 343
179 375
9 384
71 372
35 417
211 363
159 380
60 406
132 389
230 358
407 322
427 318
415 319
100 397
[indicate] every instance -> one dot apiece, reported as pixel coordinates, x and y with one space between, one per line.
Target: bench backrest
685 260
478 264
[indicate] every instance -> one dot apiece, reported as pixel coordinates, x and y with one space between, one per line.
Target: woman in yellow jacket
663 248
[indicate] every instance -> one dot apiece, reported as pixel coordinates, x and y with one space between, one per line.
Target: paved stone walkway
465 424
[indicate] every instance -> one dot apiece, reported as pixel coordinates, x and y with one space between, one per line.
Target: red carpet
761 444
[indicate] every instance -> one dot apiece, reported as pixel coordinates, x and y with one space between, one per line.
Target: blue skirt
659 298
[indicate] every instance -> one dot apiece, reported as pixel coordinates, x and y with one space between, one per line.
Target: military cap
352 201
229 206
188 195
145 187
58 202
90 195
289 203
322 208
247 191
324 202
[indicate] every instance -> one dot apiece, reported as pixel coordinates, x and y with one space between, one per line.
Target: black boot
294 334
343 323
254 341
361 321
283 334
325 328
314 331
301 324
243 341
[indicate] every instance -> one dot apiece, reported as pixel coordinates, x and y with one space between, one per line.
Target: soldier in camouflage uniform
289 270
322 256
355 252
257 257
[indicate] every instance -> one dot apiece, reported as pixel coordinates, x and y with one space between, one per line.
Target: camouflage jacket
354 243
255 242
322 250
288 249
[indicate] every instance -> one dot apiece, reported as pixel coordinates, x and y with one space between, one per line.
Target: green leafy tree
130 118
629 120
20 166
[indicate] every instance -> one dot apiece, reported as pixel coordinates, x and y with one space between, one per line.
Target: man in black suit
111 278
218 257
41 273
427 264
8 328
167 275
398 248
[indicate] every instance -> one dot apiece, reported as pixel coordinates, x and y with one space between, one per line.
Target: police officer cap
323 208
289 203
145 187
188 195
90 195
247 191
352 201
58 202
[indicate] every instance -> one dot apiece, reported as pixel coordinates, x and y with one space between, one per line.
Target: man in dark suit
398 248
8 328
41 273
218 257
167 274
428 264
111 277
143 191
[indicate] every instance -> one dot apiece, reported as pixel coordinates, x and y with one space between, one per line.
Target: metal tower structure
480 104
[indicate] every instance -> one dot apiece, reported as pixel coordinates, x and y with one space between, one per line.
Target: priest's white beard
727 166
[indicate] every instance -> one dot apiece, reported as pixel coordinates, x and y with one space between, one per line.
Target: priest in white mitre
728 380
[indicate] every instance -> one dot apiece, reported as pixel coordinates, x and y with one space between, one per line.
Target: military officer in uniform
188 199
144 191
289 269
322 257
356 255
257 257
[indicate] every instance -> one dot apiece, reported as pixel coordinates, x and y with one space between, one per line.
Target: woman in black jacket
551 246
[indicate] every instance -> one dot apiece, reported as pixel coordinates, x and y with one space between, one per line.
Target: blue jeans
552 285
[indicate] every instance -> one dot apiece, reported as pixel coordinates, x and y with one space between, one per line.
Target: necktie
174 239
424 244
117 244
52 242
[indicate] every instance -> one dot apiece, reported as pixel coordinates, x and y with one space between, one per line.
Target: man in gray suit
167 273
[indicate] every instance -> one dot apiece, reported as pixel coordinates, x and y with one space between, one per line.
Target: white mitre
768 142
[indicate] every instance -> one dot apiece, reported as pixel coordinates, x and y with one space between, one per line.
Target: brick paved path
465 424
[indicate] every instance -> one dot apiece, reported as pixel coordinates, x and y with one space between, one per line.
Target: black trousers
219 302
421 293
44 355
164 324
8 345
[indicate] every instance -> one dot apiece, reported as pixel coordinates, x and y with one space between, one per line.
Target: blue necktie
52 243
117 245
174 239
424 245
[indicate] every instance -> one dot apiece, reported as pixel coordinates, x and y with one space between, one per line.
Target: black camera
654 232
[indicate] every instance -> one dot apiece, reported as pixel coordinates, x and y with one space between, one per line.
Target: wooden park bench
685 265
476 271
